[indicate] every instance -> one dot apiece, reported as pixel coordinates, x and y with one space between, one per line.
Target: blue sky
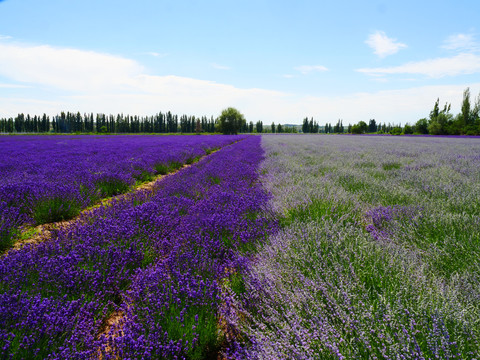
275 61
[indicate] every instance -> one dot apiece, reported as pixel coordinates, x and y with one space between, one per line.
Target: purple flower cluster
159 257
51 178
384 220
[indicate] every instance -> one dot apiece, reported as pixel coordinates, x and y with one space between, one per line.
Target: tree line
439 122
442 122
100 123
69 122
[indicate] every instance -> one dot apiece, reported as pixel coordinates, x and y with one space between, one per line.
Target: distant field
272 247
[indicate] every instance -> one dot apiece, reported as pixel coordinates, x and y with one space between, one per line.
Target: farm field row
158 260
378 252
276 247
52 178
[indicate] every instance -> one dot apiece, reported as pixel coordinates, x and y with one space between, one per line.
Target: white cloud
306 69
220 67
5 37
383 45
94 82
89 82
461 42
67 69
434 68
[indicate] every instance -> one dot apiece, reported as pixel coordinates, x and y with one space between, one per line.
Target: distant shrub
397 130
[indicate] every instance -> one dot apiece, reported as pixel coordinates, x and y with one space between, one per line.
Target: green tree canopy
230 121
421 126
360 128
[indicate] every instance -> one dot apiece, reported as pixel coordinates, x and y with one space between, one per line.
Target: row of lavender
51 178
377 256
159 258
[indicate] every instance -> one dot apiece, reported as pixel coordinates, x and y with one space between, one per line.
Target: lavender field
52 178
272 247
378 252
155 260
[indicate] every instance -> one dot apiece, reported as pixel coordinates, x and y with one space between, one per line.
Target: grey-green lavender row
378 257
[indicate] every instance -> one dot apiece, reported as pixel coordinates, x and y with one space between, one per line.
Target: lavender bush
378 254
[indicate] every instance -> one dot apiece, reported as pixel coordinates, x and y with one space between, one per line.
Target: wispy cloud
5 37
156 54
220 67
383 45
306 69
435 68
462 42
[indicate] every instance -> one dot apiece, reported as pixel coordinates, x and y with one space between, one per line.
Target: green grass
318 209
237 283
7 239
162 169
108 188
192 160
214 180
144 176
352 184
174 165
391 165
208 151
55 209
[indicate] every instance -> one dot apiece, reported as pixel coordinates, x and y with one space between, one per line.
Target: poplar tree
305 126
259 127
466 115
